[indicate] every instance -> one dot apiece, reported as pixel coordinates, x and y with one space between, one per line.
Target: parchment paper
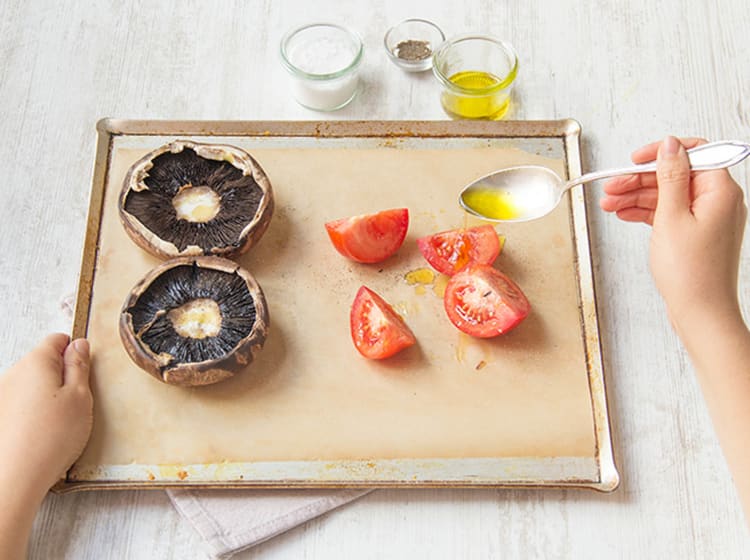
310 395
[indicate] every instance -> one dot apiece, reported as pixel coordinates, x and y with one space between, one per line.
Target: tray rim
568 130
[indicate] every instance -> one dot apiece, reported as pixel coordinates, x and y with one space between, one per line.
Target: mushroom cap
151 341
145 202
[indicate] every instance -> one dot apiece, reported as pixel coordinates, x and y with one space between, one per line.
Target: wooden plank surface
628 71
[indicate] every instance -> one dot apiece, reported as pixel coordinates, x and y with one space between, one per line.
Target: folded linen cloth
234 520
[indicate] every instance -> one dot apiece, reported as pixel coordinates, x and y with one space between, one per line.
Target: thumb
76 358
673 176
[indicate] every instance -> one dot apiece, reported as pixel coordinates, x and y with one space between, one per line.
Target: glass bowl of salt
411 43
323 61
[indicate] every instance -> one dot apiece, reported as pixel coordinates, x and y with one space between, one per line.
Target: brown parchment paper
310 395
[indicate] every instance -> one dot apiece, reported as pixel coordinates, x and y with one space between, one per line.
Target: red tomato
370 238
377 330
450 251
482 301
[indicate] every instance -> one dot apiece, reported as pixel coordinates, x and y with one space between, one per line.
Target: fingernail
81 346
670 146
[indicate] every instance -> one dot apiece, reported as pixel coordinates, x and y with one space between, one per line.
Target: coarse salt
322 55
315 53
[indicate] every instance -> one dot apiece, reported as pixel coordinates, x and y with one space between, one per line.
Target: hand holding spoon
518 194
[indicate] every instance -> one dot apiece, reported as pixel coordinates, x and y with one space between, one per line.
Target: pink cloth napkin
234 520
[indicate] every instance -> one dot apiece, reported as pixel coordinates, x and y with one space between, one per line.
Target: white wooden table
629 71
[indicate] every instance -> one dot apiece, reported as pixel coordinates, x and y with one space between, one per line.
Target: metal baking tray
526 410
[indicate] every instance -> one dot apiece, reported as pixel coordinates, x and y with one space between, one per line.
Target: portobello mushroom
186 198
194 321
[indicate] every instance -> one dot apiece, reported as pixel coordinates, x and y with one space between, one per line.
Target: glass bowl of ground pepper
411 43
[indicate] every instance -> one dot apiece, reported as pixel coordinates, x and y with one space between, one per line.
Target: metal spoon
518 194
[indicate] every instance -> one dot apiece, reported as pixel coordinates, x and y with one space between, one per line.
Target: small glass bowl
323 61
477 74
413 30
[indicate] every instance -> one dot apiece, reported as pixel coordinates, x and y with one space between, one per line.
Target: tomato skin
377 330
369 238
450 251
483 302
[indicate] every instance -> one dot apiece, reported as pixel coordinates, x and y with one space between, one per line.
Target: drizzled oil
419 276
484 96
493 203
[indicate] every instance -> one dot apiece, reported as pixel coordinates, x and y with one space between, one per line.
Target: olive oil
492 203
419 276
481 95
441 282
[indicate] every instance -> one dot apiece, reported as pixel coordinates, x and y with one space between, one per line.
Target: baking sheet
527 408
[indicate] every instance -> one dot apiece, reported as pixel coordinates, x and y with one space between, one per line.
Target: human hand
698 222
45 414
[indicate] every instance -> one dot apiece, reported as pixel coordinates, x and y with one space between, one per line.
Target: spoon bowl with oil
528 192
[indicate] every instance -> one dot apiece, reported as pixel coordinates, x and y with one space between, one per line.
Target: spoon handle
716 155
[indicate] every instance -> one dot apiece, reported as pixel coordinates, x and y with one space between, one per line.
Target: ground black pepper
412 50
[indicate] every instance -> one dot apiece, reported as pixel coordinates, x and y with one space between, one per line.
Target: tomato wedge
483 302
369 238
450 251
377 330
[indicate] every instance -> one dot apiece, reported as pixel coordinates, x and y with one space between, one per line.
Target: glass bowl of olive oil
477 74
